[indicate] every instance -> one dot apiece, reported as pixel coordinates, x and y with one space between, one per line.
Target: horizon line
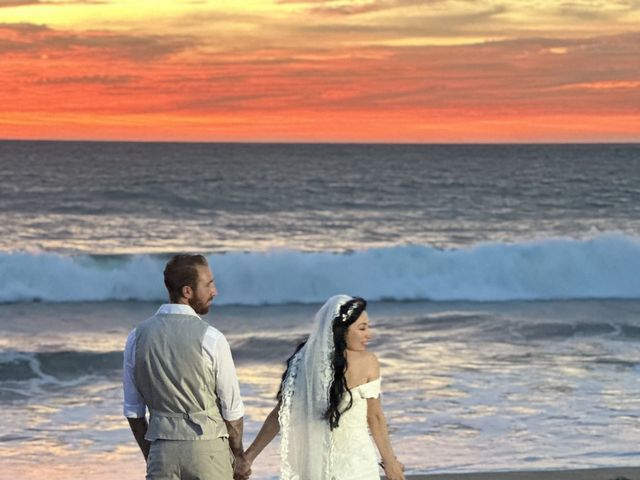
327 142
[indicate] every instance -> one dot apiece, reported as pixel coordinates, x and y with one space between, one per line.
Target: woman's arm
393 469
269 430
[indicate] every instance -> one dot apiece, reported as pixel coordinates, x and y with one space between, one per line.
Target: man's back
172 377
181 370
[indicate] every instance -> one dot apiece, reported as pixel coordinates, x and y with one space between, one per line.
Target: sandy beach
626 473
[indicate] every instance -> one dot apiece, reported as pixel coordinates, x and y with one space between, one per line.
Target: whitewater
604 266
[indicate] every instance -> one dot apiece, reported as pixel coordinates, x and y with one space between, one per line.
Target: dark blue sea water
503 279
110 198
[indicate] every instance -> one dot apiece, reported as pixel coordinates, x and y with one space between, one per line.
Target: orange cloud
353 72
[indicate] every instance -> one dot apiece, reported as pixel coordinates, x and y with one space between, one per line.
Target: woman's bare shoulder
373 365
366 361
371 358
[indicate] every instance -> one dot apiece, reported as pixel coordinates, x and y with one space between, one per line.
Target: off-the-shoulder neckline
363 384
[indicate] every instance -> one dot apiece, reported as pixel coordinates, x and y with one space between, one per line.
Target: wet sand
626 473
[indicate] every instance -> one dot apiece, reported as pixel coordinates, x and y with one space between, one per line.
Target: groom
181 369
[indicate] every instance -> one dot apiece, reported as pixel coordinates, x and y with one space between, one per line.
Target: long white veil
305 446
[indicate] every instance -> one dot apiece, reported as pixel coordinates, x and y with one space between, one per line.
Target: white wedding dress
354 455
309 449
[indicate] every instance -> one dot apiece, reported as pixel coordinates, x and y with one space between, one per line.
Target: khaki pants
190 460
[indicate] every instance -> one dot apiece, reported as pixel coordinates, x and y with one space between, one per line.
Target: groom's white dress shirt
217 356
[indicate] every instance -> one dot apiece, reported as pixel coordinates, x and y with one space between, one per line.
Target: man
181 369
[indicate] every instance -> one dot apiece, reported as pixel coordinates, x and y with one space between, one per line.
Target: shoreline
613 473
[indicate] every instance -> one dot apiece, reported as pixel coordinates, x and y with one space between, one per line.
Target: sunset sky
314 70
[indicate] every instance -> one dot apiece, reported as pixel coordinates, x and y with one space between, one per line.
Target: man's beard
199 306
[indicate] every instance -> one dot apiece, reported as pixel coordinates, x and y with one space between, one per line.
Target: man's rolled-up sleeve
226 379
134 406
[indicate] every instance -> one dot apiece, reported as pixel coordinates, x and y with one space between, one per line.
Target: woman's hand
394 470
242 468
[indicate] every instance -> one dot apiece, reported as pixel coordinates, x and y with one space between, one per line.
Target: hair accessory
349 312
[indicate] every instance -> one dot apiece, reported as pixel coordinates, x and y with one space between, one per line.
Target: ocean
502 279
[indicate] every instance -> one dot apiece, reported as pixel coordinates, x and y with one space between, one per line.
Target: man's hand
139 428
242 468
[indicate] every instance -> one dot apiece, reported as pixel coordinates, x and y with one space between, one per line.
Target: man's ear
187 292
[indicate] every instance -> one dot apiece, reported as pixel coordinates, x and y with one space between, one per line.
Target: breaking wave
605 266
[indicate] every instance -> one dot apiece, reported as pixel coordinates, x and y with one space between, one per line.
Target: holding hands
241 468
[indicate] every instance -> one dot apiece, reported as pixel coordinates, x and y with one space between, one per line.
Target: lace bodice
355 456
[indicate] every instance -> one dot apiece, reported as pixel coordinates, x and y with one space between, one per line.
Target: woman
328 397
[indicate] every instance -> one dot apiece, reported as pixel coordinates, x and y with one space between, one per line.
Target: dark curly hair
349 312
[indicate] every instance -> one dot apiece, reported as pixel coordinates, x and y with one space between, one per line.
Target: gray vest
172 377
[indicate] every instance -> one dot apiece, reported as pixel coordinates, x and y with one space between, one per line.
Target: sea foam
605 266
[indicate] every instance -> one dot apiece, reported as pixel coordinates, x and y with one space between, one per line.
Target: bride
329 401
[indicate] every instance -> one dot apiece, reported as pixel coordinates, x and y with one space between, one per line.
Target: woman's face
359 334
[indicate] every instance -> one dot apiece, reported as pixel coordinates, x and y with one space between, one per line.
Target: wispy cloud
436 24
590 10
22 28
17 3
24 37
358 8
85 80
22 3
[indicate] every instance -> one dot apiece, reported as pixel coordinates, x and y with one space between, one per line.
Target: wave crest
605 266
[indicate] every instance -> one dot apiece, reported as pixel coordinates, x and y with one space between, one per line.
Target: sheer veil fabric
306 446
